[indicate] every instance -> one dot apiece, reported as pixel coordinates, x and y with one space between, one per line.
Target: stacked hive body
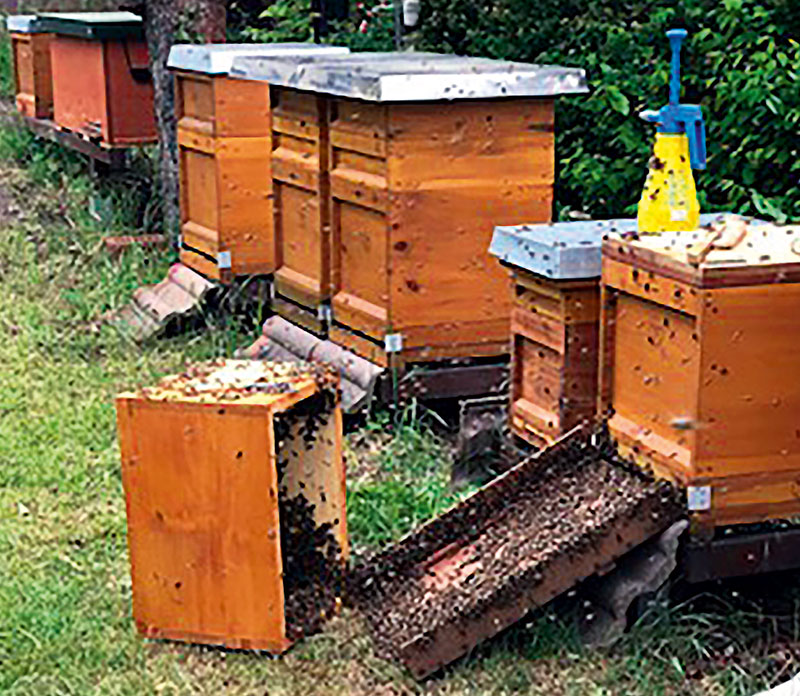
225 142
102 88
701 368
554 323
33 80
389 171
235 492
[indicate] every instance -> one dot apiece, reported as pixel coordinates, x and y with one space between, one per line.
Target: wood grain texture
33 76
554 357
415 192
200 477
225 152
703 385
301 186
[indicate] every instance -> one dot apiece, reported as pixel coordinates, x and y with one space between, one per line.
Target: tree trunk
206 19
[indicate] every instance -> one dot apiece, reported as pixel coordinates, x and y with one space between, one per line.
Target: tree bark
162 18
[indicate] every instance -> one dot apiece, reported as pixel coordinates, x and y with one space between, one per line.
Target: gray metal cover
95 26
414 77
565 250
216 59
23 24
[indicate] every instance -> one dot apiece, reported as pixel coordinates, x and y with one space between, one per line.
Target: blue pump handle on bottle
677 118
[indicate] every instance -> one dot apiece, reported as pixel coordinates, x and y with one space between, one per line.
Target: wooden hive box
102 88
235 494
701 369
33 79
390 170
554 323
225 146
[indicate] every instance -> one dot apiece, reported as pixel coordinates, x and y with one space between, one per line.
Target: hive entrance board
528 536
236 503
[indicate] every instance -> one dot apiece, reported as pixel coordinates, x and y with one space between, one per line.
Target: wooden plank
197 480
242 108
371 350
749 369
676 294
656 365
441 269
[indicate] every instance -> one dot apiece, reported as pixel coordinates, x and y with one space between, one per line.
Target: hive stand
225 146
700 367
212 460
390 170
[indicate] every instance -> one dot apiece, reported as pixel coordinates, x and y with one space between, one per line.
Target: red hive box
101 80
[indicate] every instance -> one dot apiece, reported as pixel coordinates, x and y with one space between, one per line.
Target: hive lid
244 382
567 250
414 77
216 59
23 24
98 26
731 252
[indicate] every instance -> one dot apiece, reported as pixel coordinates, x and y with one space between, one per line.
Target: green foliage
740 62
370 27
410 484
6 63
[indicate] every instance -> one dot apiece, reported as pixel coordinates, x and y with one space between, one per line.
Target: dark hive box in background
101 76
33 78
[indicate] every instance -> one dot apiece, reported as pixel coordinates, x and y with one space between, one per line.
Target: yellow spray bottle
669 199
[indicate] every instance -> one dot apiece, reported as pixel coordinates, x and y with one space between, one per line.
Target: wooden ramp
530 535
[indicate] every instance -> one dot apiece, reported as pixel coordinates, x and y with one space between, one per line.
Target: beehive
555 321
101 76
33 80
225 145
235 494
390 171
701 367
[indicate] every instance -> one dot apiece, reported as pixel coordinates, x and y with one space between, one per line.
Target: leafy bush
740 62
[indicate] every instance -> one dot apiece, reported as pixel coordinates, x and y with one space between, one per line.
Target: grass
65 594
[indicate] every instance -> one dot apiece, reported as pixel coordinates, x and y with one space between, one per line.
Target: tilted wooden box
225 146
390 170
102 87
702 371
235 493
33 78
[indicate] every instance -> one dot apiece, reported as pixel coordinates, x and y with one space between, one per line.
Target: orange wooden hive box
225 145
390 170
235 494
101 78
33 79
701 370
555 323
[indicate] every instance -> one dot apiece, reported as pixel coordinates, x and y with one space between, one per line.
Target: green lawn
65 595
